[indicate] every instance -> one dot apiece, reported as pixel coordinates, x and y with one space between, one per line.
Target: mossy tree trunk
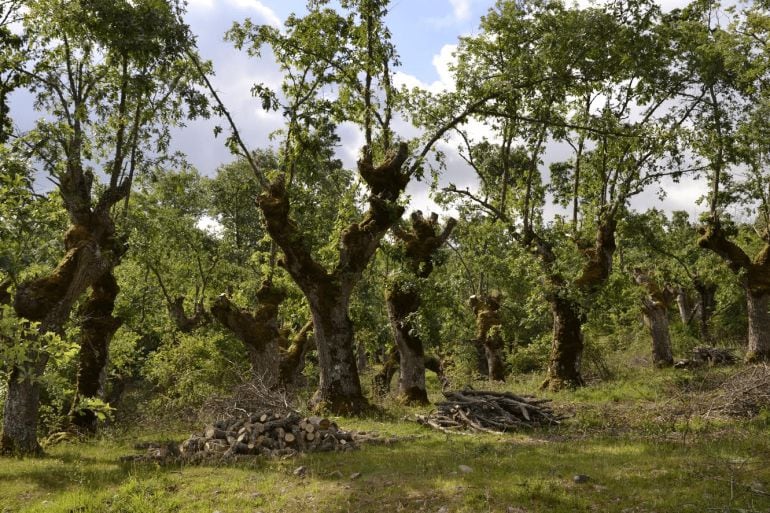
489 333
567 348
96 330
49 300
403 302
755 279
655 304
420 243
259 331
328 292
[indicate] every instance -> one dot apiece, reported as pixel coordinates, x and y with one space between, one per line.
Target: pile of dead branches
746 393
707 356
490 412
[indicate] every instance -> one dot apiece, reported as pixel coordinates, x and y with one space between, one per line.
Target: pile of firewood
491 412
707 356
268 434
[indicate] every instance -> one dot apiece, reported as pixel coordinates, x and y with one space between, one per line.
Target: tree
110 77
728 66
420 246
350 53
603 94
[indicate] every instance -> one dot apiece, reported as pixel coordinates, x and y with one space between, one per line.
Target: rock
580 478
465 469
300 471
443 509
355 475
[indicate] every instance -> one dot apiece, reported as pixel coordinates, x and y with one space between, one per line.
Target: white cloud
265 13
442 62
461 9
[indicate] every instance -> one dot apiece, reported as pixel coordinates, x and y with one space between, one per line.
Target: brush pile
746 393
707 356
490 412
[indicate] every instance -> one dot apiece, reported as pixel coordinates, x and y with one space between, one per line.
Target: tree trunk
97 328
567 348
383 378
49 300
21 411
403 302
339 389
489 333
656 319
258 331
759 326
293 361
684 305
706 308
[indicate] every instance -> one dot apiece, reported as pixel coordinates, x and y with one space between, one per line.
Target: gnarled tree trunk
293 361
706 308
258 331
759 326
49 300
489 333
96 331
328 292
655 305
403 302
567 347
755 278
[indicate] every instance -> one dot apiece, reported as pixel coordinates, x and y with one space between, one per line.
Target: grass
639 439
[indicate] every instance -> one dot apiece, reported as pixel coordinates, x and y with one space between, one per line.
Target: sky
425 33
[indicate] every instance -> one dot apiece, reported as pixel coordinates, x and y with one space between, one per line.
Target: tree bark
759 326
258 331
402 303
684 305
339 389
567 348
705 308
21 412
489 333
97 329
655 303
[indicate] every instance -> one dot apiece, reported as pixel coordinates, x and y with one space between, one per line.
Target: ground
646 442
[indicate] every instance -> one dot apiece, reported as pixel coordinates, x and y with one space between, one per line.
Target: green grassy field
643 442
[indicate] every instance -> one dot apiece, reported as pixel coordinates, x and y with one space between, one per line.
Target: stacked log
267 434
490 412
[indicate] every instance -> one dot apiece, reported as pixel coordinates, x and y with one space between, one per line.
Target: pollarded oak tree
349 52
603 94
724 53
109 77
419 245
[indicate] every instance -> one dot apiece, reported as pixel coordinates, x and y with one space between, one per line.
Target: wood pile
707 356
268 434
490 412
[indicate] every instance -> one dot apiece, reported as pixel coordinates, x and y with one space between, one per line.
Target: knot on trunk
423 240
387 180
